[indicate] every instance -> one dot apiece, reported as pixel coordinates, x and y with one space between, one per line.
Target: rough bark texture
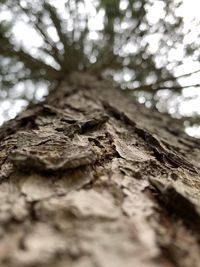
91 179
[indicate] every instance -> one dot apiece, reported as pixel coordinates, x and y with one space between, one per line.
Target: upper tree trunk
91 179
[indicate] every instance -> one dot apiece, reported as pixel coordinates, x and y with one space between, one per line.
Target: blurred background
150 48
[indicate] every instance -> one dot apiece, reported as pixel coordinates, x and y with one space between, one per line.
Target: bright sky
189 10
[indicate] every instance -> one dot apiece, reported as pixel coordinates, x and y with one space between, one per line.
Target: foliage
106 37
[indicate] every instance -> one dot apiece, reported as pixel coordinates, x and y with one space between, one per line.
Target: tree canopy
127 40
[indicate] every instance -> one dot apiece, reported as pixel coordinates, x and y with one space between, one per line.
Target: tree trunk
89 178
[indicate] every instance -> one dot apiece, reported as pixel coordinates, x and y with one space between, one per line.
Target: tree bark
90 178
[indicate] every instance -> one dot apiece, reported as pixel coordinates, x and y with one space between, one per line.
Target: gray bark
89 178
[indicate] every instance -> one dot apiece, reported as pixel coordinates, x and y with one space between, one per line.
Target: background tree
112 39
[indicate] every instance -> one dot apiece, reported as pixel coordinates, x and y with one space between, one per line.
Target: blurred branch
41 29
159 84
192 120
54 52
178 77
177 87
35 65
151 88
62 36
